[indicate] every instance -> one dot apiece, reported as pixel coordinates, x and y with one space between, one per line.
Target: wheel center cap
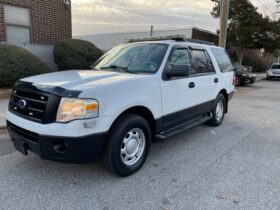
132 146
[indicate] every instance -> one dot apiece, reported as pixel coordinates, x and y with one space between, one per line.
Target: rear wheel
128 145
242 81
218 112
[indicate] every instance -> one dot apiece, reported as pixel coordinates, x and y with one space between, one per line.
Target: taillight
234 79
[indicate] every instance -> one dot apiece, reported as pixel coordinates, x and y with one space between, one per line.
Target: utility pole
278 12
224 10
152 31
277 7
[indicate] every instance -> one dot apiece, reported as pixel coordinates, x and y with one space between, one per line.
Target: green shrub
75 54
17 63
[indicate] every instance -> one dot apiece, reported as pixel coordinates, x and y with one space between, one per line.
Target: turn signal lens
91 106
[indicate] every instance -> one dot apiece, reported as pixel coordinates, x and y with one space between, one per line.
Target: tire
218 116
238 81
268 78
242 82
128 145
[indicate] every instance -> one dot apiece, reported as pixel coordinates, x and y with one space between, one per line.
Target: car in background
243 75
273 71
248 68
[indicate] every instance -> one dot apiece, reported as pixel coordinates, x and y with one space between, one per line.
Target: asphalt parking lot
234 166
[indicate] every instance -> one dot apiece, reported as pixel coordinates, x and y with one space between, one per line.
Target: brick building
35 21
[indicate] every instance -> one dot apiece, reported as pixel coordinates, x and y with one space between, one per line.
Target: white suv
137 93
273 72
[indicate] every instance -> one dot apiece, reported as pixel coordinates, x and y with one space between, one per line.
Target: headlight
72 109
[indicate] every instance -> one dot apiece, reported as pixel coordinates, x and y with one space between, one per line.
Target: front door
178 94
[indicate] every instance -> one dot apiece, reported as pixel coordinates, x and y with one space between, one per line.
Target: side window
210 64
180 57
202 62
222 59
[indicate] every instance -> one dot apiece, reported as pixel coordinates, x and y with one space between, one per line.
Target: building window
18 24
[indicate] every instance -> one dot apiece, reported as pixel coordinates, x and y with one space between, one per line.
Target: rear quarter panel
225 78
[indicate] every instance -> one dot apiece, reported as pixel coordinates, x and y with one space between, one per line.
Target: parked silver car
273 72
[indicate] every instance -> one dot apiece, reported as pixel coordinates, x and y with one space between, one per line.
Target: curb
258 80
5 93
3 131
261 79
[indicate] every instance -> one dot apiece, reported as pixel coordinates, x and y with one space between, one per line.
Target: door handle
216 80
191 85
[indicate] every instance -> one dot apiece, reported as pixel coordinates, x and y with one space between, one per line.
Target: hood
79 79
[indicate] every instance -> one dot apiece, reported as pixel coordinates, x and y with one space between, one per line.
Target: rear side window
222 59
202 62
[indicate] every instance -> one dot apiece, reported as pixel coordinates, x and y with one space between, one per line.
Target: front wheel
218 112
128 144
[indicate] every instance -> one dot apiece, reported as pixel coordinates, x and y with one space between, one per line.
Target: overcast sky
106 16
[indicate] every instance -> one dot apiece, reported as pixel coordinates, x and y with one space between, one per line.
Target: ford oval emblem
21 103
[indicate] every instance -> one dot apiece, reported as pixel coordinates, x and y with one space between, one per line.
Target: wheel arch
141 111
224 92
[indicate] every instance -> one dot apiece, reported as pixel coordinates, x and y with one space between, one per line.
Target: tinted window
180 56
276 67
222 59
202 62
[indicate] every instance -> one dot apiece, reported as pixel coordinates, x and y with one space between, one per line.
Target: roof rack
199 41
178 38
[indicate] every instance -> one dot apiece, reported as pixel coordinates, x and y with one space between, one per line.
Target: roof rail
178 38
199 41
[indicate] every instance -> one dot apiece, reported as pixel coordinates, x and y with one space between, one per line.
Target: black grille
33 104
38 103
23 133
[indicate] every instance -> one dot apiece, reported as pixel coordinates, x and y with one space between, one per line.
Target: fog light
89 124
60 146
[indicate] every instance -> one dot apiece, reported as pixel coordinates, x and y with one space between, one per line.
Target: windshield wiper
118 68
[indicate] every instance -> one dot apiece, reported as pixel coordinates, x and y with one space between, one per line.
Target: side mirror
178 71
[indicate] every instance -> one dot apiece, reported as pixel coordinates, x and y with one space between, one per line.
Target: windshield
276 66
239 67
133 58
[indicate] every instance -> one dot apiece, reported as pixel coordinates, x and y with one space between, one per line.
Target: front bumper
65 149
273 75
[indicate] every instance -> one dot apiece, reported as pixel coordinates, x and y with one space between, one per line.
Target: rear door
205 78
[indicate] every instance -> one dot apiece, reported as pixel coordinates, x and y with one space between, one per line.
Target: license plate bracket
21 146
